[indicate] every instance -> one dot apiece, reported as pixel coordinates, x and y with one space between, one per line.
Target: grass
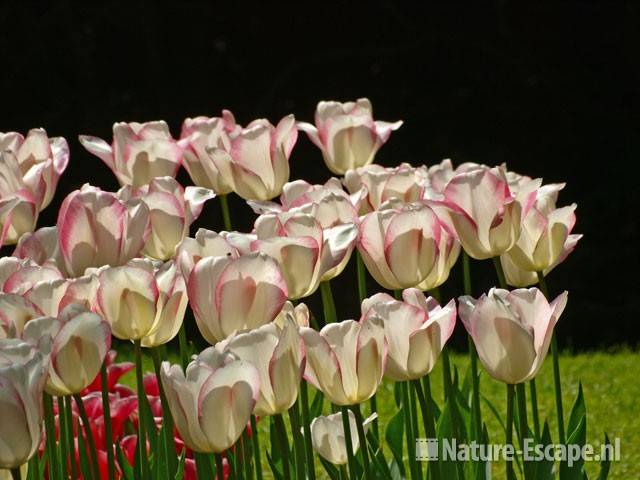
611 389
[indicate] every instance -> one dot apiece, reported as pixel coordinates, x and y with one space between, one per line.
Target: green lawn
612 393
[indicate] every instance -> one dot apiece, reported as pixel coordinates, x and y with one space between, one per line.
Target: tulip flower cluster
123 264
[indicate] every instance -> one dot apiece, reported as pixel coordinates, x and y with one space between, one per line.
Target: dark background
551 90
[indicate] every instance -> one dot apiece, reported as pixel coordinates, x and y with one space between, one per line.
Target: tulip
15 312
256 166
212 403
172 210
205 244
18 206
141 302
346 360
232 294
346 134
139 152
201 134
41 246
511 330
373 185
77 341
307 253
401 246
486 215
416 330
96 229
441 173
23 373
327 436
278 354
299 315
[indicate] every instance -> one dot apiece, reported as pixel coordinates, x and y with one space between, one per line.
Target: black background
551 90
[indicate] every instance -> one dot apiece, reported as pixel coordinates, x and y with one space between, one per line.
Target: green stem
346 428
298 442
15 473
446 372
281 432
142 438
239 458
70 437
427 420
306 425
556 367
414 425
256 447
106 411
362 438
184 346
534 408
167 419
50 431
473 356
509 437
328 304
500 273
219 466
408 427
34 466
247 453
398 294
93 452
203 465
63 438
226 217
522 418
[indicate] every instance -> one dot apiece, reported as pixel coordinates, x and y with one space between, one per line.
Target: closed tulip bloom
278 354
400 246
23 373
346 360
77 341
200 134
172 210
212 403
307 253
256 165
232 294
486 215
15 312
373 185
416 330
141 302
96 228
346 134
139 152
511 330
206 243
327 436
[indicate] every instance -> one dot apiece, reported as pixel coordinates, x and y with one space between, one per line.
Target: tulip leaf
331 470
275 469
544 467
605 463
397 393
578 437
125 466
181 462
394 435
315 410
494 411
444 429
578 411
377 456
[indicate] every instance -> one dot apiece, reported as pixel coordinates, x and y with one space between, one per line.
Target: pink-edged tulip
346 360
18 206
299 315
23 373
307 253
511 330
278 355
441 173
139 152
42 247
141 302
172 210
256 165
206 243
346 133
15 312
416 330
96 228
77 341
327 436
486 215
211 403
232 294
400 246
201 134
373 185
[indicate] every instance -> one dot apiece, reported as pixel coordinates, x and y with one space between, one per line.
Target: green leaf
331 470
605 463
85 466
275 469
377 456
544 467
495 412
397 393
125 466
578 437
444 429
394 435
315 410
578 411
180 471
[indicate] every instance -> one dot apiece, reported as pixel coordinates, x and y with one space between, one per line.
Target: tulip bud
96 229
231 294
327 436
416 330
257 164
346 134
201 134
278 354
511 330
172 210
212 403
346 360
143 303
77 341
139 152
23 373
